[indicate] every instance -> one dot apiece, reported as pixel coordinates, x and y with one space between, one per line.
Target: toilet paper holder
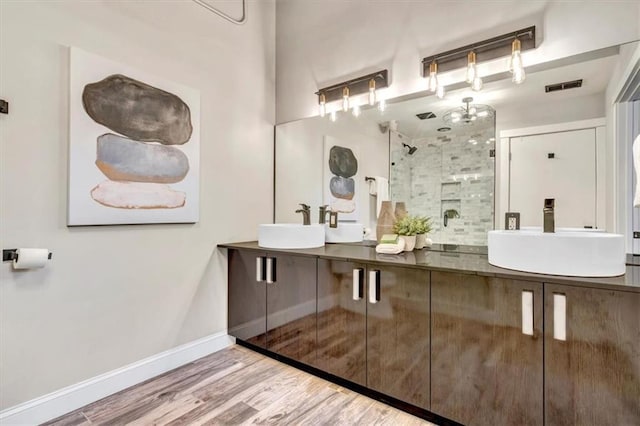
9 255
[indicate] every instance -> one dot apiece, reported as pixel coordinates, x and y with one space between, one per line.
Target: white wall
321 43
300 163
115 295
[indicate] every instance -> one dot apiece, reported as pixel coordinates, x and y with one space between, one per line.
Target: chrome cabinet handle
374 286
559 316
527 312
260 269
358 283
271 270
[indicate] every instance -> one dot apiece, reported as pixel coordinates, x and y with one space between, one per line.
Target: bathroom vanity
446 333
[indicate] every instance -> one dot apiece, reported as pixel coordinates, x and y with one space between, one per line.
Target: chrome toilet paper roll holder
9 255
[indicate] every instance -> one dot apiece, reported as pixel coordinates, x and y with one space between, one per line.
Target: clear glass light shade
518 75
372 96
333 116
433 81
356 111
476 84
515 62
322 109
472 72
345 103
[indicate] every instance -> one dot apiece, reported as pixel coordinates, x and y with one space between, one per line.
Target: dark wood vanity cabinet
592 356
479 350
342 321
272 302
373 327
486 349
398 333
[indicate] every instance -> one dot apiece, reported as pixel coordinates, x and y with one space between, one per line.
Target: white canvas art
134 149
341 179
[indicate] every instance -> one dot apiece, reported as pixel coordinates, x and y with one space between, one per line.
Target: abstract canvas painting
134 145
340 178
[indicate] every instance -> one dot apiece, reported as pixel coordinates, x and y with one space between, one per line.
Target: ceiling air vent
563 86
425 115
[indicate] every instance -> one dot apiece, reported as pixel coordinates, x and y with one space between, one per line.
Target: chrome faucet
306 214
548 214
323 210
450 214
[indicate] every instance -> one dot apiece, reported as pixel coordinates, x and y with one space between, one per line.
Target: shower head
412 149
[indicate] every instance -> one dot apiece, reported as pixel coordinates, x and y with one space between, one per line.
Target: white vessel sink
345 233
567 253
290 235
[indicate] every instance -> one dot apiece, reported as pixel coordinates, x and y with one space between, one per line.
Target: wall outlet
512 221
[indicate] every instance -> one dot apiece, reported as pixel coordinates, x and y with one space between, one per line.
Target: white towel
636 165
381 192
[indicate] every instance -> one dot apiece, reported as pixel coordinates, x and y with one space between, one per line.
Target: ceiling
502 95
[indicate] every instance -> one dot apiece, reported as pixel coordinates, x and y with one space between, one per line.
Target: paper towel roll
29 258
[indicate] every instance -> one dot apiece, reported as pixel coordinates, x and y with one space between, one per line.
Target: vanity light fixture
510 44
433 76
515 62
372 92
472 70
345 99
348 92
322 101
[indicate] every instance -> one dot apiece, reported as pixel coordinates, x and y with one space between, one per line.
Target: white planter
420 241
409 242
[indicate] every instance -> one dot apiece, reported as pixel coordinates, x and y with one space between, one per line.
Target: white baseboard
72 397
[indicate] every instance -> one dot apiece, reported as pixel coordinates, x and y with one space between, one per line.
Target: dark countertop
463 259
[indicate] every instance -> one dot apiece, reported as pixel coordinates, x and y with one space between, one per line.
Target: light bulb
515 62
518 75
372 92
382 105
333 116
516 67
345 99
476 84
433 76
472 71
440 92
356 111
323 105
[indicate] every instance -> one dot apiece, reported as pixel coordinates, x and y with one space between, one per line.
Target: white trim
554 128
72 397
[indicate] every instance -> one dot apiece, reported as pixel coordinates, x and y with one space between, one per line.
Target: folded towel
390 248
381 185
636 165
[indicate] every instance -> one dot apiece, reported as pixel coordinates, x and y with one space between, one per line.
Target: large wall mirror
467 159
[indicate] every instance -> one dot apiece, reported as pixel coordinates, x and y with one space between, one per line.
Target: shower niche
447 175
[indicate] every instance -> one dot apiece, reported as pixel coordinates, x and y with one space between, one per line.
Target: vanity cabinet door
592 356
247 300
291 306
342 321
486 350
398 333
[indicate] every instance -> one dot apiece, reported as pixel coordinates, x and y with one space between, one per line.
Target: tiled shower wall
448 172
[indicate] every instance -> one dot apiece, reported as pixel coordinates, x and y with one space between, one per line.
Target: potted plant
423 227
406 228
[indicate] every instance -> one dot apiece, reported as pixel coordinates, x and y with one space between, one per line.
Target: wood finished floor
237 386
